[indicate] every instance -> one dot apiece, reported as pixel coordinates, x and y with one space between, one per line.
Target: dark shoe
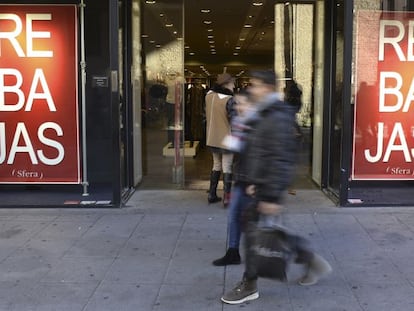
317 268
214 199
244 291
232 257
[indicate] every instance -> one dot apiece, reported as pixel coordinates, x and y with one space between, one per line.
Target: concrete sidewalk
156 253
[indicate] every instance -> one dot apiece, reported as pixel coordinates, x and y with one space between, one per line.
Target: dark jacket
270 155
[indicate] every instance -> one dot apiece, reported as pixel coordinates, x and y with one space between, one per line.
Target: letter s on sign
51 143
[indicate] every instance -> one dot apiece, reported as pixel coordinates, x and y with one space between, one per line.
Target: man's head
262 83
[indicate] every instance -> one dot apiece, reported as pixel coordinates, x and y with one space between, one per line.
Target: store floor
159 169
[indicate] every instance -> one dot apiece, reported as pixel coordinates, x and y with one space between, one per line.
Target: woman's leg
214 178
227 159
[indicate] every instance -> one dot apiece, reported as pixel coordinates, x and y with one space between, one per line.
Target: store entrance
174 83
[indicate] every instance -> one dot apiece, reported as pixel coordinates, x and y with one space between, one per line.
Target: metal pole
85 182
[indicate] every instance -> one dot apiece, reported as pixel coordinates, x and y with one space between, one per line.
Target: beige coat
218 125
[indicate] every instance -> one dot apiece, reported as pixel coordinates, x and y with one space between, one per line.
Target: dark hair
293 95
266 76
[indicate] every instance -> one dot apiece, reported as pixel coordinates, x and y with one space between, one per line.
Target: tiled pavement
156 253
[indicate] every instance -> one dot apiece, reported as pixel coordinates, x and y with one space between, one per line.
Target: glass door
162 93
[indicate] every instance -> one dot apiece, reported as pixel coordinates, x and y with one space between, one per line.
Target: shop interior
194 41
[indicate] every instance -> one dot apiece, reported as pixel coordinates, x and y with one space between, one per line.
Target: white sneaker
318 268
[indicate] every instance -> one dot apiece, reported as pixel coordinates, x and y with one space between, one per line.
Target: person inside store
268 162
219 112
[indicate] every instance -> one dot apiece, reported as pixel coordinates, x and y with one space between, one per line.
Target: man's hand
269 208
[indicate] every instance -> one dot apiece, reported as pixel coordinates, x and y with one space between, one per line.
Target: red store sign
384 101
39 132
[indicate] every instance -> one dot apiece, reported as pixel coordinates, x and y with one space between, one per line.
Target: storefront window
383 90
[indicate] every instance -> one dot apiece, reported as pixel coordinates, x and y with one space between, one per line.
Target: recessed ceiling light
242 39
235 53
158 45
211 41
257 3
210 30
169 25
187 47
161 14
237 47
192 53
247 26
144 35
150 1
210 36
152 41
205 10
207 22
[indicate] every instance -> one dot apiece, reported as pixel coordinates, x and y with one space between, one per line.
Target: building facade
101 98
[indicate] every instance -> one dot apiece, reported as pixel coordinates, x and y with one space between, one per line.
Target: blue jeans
239 200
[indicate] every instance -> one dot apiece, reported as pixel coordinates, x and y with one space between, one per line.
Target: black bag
272 252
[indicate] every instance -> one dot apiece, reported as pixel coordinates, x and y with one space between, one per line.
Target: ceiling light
144 35
205 10
257 3
237 47
150 1
187 47
210 30
235 53
158 45
207 22
210 36
242 39
192 53
247 26
152 41
169 25
211 41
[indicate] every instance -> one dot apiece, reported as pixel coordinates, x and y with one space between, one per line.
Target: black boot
212 192
232 257
227 189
